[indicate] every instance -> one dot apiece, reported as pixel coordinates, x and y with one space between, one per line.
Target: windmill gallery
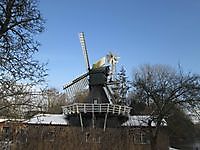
99 121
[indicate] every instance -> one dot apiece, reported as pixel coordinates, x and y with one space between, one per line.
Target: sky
138 31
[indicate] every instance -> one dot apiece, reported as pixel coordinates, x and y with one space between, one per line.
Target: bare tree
25 99
54 100
162 88
20 20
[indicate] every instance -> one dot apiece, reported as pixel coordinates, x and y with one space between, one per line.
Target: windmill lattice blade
85 53
75 80
76 86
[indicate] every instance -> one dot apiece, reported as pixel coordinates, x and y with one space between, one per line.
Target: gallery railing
96 108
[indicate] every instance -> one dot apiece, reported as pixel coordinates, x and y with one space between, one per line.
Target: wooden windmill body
98 109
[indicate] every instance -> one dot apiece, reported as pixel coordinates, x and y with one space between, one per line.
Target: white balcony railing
96 108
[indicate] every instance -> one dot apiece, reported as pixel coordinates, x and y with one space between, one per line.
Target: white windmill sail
77 85
112 59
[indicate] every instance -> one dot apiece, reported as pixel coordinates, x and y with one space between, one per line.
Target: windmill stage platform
96 115
114 109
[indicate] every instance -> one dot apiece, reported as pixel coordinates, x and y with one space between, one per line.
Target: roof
140 120
11 120
59 119
48 119
195 118
171 148
3 120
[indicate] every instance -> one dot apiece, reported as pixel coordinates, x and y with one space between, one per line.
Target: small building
52 131
137 126
9 128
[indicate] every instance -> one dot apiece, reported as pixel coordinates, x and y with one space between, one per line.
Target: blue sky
139 31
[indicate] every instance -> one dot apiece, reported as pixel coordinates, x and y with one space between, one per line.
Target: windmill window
21 136
95 101
141 138
49 136
6 130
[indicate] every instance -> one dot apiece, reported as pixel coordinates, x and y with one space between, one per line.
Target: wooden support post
93 119
105 121
81 121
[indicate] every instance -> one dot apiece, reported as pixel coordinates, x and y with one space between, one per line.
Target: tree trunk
153 143
153 133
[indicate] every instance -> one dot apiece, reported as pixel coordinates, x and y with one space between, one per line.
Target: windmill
95 78
100 102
